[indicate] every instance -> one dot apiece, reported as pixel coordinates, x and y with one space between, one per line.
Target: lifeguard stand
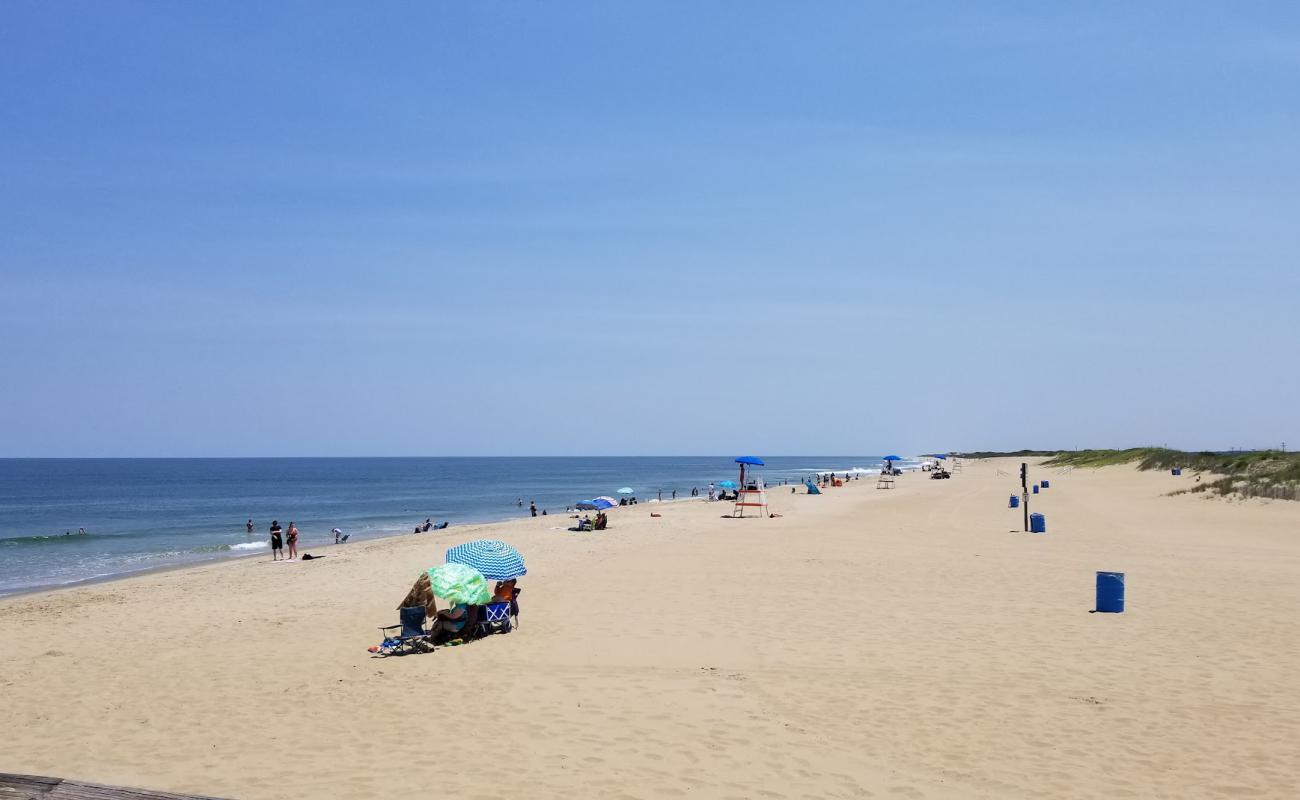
752 494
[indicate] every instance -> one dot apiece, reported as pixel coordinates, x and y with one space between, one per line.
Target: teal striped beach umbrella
497 560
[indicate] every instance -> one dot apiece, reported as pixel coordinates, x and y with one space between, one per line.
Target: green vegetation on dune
1250 473
1000 454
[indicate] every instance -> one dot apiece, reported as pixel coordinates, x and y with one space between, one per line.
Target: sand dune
897 644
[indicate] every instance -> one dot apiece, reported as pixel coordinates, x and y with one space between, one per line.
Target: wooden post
1024 490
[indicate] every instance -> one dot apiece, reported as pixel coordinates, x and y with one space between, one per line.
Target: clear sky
525 227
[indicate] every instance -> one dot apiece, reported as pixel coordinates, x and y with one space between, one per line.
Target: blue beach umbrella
936 455
497 560
586 505
893 458
625 490
755 460
727 484
602 503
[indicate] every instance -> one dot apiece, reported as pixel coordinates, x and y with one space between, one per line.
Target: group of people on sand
282 539
278 539
427 525
831 479
586 523
459 623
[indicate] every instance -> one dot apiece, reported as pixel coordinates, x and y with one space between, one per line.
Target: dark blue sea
142 514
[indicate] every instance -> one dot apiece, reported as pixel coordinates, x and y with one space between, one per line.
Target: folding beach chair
494 618
410 637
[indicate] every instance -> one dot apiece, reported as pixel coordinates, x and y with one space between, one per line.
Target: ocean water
142 514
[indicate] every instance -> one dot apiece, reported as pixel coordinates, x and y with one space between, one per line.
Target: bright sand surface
868 643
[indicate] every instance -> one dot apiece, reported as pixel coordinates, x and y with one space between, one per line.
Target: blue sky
646 228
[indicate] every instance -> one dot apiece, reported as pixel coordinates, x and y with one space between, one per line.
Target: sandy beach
866 643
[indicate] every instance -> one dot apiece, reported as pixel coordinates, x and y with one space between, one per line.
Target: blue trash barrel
1037 523
1045 484
1015 502
1110 592
1177 470
1035 488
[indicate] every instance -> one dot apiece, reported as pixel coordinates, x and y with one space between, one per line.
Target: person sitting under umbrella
451 623
505 591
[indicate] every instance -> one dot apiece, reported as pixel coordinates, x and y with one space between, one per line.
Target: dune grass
1250 473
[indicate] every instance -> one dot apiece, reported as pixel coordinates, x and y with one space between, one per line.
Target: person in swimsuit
450 624
504 591
293 540
277 546
248 526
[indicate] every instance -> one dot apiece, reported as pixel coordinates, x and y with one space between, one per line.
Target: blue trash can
1045 484
1037 523
1035 488
1015 502
1110 592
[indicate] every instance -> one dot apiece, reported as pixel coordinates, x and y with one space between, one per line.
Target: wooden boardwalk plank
35 787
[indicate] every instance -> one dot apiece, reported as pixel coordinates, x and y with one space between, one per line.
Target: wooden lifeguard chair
885 481
751 495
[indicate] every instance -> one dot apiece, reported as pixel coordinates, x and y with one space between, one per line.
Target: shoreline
109 559
259 556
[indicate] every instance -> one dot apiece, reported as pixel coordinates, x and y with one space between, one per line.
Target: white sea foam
250 545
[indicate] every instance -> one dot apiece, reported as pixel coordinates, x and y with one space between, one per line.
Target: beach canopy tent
497 560
625 490
743 460
893 458
812 489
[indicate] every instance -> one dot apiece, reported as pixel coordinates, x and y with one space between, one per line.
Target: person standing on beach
277 546
532 507
293 540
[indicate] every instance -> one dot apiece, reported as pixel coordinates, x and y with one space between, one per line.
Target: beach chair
408 637
493 618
